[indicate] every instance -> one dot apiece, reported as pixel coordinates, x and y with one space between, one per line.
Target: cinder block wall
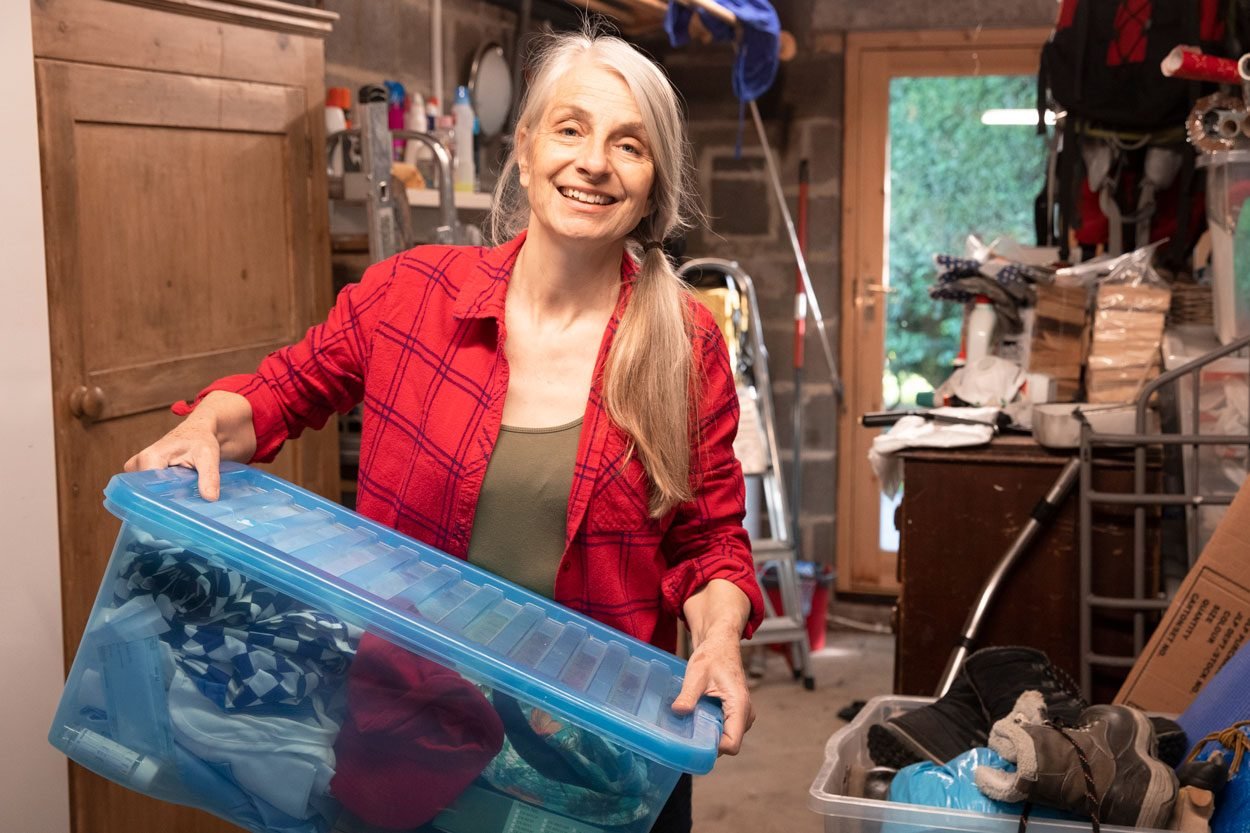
803 118
390 39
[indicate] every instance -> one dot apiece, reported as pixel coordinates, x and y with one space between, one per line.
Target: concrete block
818 542
740 208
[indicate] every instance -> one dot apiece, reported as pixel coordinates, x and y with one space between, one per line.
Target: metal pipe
1085 516
780 194
1041 515
1121 603
447 232
800 332
436 53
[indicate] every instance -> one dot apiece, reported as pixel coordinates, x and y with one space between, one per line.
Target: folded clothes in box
291 666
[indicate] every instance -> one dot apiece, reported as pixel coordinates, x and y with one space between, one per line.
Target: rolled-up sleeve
301 385
706 539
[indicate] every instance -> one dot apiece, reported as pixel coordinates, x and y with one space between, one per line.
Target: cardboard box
1207 622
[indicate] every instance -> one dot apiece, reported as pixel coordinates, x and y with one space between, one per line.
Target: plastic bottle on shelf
417 153
336 121
981 322
396 109
462 109
445 134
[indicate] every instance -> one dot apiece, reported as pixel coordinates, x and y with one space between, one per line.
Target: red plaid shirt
420 340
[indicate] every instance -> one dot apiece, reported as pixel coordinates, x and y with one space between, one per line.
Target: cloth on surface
283 761
416 735
990 382
951 785
579 774
918 432
1008 285
751 443
244 644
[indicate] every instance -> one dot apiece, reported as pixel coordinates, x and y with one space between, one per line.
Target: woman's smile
587 162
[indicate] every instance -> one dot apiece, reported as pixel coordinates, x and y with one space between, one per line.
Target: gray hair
675 206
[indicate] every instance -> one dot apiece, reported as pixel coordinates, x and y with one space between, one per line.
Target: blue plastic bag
950 785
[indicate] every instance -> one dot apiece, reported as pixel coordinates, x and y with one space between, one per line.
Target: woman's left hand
716 615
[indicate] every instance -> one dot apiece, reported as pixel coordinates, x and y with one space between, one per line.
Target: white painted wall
34 790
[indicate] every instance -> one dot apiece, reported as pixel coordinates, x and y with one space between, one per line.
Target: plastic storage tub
232 663
835 794
1228 187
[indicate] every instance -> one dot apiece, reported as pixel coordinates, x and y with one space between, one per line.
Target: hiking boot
1000 675
1173 744
937 732
1105 768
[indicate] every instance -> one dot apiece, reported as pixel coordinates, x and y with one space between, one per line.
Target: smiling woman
494 430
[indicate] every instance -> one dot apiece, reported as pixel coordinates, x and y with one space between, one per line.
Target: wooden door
873 60
184 242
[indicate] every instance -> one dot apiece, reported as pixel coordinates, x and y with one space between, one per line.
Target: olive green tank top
518 528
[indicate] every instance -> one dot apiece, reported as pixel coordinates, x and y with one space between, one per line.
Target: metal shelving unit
1143 603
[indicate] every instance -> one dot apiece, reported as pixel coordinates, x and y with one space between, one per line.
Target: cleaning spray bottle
462 109
981 322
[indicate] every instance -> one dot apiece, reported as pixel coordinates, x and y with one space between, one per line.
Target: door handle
87 403
868 292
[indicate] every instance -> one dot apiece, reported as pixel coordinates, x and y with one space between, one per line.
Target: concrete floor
765 788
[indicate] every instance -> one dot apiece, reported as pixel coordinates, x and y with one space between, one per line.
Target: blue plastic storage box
291 666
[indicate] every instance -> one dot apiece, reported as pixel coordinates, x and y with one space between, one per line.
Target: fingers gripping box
291 666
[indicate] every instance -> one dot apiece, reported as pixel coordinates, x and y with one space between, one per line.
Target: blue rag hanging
755 66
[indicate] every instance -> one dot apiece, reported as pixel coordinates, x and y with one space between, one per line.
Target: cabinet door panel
180 230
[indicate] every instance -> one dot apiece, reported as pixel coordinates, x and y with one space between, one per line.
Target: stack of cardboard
1058 342
1127 332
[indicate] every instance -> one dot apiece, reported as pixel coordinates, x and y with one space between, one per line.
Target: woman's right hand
220 426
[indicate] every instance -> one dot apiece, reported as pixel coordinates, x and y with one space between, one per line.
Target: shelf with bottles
465 200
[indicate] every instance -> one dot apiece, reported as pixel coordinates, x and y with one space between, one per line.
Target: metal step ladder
721 284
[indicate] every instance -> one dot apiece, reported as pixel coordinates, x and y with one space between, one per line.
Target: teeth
582 196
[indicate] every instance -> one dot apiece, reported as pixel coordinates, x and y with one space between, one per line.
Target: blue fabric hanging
755 66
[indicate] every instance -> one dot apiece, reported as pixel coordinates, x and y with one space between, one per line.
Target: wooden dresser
961 509
181 146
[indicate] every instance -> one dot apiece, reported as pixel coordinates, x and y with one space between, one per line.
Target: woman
483 390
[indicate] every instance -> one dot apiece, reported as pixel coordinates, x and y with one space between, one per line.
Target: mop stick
800 331
721 13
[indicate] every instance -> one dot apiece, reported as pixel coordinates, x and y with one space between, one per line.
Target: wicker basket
1191 304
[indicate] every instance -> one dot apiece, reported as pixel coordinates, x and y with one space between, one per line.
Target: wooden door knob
87 403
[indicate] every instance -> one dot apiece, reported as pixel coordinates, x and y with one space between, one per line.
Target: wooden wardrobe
181 145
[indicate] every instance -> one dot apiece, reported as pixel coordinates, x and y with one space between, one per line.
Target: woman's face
587 164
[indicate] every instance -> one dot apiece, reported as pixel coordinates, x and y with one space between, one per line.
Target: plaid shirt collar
483 291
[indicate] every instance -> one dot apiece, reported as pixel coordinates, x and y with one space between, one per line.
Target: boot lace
1068 686
1233 739
1091 793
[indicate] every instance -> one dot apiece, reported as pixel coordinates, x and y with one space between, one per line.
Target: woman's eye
630 148
568 131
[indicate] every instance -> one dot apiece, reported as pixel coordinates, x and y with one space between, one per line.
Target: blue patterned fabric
244 644
605 785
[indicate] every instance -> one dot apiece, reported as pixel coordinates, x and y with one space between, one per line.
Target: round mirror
490 85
